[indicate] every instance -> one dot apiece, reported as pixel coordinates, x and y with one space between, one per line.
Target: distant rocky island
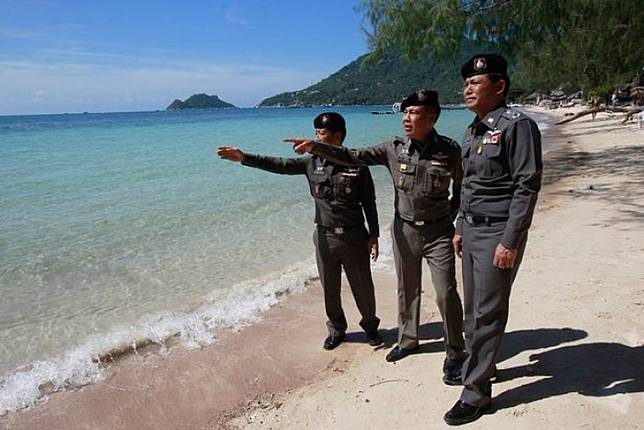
199 101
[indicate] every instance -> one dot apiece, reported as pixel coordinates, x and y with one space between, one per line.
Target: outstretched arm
370 156
284 166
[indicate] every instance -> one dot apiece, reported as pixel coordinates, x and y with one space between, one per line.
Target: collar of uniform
492 118
323 161
420 144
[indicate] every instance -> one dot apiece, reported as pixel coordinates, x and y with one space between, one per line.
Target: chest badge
348 190
403 167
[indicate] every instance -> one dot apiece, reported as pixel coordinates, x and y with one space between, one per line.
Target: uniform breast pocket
439 177
346 188
319 186
404 176
491 161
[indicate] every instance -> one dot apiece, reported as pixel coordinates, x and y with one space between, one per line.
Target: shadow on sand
592 369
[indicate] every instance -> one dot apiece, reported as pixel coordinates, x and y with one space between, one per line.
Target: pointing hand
230 153
301 144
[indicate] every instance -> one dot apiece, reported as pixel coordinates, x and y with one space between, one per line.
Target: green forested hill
384 82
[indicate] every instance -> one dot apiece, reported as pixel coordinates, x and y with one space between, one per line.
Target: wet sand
572 357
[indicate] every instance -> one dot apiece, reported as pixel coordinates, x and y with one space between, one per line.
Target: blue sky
98 56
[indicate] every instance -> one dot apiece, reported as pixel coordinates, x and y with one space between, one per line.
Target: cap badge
479 64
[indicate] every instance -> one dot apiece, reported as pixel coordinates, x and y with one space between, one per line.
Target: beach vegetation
589 45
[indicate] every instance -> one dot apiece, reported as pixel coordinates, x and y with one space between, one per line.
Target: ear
500 86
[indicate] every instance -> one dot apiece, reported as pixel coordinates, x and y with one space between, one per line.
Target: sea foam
84 364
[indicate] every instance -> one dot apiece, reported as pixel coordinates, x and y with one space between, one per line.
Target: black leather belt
480 219
424 222
339 230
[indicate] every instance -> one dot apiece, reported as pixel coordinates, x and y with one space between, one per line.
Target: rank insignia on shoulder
513 114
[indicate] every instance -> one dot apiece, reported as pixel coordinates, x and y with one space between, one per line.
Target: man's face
325 135
418 122
481 94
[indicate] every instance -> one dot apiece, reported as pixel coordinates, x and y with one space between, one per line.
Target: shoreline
275 372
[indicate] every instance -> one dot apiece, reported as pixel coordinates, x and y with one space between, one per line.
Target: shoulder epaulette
512 114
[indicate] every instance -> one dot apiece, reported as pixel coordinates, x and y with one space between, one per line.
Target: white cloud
231 15
38 87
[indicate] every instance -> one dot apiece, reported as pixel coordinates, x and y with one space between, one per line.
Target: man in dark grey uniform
421 165
341 194
502 177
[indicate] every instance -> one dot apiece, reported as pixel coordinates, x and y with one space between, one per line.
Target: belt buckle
338 230
419 222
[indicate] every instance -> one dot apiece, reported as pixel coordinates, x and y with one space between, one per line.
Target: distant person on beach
422 166
341 195
595 104
502 177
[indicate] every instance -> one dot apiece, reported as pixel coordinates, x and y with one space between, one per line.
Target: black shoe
462 413
453 377
453 371
373 338
397 353
332 341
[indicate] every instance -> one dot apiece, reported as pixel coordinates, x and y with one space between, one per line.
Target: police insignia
348 190
403 167
494 136
512 114
490 120
479 64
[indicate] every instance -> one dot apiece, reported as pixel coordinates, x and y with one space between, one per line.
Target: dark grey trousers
412 243
349 250
486 296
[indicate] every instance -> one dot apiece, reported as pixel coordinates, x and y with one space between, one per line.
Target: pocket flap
405 168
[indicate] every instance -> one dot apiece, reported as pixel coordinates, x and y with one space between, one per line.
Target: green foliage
199 101
384 81
581 44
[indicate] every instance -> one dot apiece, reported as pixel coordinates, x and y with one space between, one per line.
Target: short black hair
427 98
332 121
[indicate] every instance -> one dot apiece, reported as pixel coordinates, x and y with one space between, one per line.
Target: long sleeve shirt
341 193
421 172
502 170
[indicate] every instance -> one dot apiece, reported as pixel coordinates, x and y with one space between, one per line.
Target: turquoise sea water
122 226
